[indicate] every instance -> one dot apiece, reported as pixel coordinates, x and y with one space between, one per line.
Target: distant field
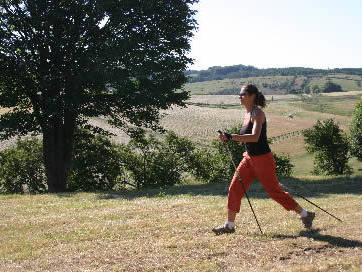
202 122
207 87
302 161
276 84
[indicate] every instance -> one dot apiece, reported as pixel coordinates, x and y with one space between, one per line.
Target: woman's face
245 98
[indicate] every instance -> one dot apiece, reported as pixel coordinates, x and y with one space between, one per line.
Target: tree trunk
58 152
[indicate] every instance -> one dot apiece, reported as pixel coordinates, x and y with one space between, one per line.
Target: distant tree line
243 71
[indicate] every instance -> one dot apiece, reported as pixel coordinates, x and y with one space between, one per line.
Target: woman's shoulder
258 113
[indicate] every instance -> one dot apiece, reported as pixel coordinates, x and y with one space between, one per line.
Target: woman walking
258 162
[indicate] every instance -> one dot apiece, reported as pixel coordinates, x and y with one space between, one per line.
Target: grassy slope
170 231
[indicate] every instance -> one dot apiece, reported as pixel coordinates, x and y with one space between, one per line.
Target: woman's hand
222 137
225 137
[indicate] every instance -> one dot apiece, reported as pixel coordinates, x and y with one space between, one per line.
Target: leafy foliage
154 163
236 148
356 132
330 87
146 161
22 168
210 166
59 59
330 146
96 164
284 167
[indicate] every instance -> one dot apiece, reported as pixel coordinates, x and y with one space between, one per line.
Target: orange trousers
261 167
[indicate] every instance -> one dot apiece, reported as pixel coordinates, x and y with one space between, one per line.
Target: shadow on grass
307 188
332 240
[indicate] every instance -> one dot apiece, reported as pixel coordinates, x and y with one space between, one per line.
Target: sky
278 33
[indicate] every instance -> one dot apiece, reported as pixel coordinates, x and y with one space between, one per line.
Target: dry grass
170 231
350 93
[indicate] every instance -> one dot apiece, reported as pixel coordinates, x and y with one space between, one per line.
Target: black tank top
261 147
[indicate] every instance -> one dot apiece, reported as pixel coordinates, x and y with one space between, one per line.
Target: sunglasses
242 94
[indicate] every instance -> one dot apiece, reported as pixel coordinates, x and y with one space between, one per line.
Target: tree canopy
356 132
59 59
330 146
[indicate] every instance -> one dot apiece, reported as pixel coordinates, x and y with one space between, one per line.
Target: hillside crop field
276 84
206 114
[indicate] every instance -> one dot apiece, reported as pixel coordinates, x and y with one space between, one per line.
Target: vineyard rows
286 136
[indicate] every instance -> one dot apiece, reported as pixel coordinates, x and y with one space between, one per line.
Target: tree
58 57
356 132
330 87
315 89
330 146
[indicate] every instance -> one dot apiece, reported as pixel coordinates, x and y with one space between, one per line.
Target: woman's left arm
255 133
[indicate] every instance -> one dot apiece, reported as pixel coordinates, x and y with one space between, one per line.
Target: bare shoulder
258 115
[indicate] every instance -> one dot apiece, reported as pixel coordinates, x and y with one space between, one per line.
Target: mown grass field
170 230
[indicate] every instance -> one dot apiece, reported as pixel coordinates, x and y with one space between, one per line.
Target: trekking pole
293 192
242 183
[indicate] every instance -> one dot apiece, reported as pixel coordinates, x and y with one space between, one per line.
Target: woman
258 162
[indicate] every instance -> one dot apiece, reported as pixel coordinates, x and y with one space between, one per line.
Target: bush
22 168
356 132
236 148
330 87
146 161
330 146
210 166
150 162
96 163
284 167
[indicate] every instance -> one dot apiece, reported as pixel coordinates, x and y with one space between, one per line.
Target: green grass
170 231
337 105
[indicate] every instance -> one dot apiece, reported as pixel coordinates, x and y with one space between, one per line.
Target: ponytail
259 97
